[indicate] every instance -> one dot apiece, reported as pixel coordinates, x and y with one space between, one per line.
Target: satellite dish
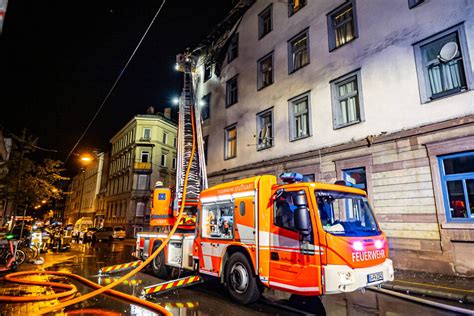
448 51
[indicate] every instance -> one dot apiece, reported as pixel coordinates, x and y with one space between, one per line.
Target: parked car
86 236
109 233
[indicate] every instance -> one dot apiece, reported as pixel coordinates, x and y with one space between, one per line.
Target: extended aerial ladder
166 202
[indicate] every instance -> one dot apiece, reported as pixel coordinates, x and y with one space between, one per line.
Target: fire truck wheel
240 279
309 304
158 264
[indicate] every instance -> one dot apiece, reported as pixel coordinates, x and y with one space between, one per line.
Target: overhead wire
116 82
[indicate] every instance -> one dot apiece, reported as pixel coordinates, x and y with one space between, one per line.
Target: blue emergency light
291 177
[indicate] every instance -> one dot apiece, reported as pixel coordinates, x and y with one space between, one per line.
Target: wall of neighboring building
399 146
383 52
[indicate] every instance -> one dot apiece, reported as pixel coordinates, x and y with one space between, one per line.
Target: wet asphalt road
85 260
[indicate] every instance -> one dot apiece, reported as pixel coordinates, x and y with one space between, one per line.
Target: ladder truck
305 238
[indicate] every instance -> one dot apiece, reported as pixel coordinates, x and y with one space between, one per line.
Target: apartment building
84 188
377 93
143 152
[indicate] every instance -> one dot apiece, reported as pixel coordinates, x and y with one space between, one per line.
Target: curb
465 298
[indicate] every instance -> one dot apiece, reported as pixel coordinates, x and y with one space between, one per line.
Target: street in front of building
203 299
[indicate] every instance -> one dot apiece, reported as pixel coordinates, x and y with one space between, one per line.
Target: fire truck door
294 259
244 219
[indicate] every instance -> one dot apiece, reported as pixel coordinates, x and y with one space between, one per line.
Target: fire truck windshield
346 214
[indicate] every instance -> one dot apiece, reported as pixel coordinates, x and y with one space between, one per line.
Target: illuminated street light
44 201
86 158
176 67
175 100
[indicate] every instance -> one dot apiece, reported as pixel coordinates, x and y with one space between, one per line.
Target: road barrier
171 285
119 267
187 305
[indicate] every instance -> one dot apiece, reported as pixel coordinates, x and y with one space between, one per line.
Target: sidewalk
433 285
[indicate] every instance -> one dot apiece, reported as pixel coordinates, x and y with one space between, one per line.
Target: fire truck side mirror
301 215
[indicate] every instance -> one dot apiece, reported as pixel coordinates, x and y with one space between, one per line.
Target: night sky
58 58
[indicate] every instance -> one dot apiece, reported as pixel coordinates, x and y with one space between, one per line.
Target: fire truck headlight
346 277
379 244
358 246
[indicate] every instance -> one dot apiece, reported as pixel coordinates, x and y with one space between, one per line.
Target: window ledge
295 70
448 95
464 225
300 138
347 125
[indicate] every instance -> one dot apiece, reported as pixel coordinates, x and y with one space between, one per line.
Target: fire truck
305 238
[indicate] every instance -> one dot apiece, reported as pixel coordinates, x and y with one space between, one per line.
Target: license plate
374 277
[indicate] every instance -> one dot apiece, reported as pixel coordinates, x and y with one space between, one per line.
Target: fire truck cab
305 238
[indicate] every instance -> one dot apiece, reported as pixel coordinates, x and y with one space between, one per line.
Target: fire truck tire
240 280
308 304
158 264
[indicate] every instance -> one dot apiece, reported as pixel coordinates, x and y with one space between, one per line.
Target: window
265 22
347 100
205 141
147 133
233 51
140 211
295 5
457 180
299 117
283 209
142 183
265 71
298 51
442 62
230 142
218 220
207 71
205 107
265 129
309 177
346 214
173 165
163 159
145 156
165 137
175 142
231 91
342 25
356 177
414 3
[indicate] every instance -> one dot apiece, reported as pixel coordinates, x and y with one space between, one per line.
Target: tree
28 183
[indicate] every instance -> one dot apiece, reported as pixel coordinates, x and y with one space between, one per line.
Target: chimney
150 110
167 113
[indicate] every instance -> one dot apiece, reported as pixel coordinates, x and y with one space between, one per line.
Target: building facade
143 152
347 90
84 189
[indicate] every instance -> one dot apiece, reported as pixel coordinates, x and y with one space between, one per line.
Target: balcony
142 166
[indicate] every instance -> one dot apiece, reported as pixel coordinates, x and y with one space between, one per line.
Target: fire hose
71 290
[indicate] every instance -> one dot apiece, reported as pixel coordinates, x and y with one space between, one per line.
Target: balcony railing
142 166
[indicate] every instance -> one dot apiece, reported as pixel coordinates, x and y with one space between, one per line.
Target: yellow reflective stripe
180 283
